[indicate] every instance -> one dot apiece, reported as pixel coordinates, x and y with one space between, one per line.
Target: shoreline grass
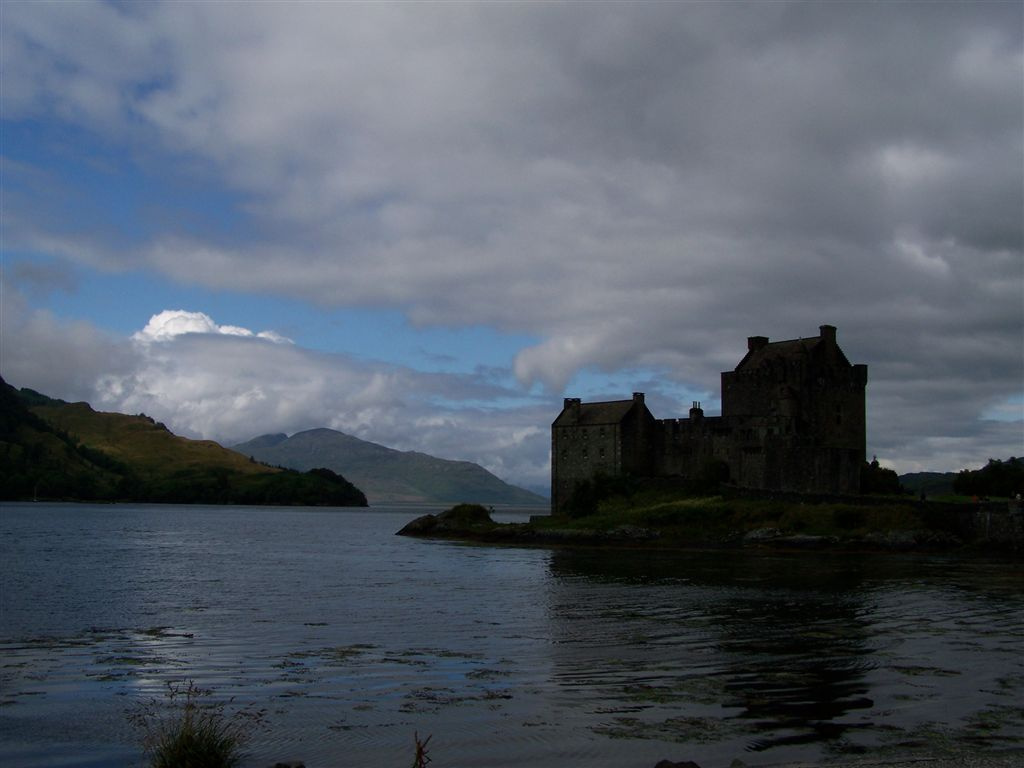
187 730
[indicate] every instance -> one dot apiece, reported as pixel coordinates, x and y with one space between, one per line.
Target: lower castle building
793 419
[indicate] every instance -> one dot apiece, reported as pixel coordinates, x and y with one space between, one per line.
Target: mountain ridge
388 475
929 483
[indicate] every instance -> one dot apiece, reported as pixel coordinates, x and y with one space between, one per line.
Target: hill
386 474
38 460
929 483
997 478
67 451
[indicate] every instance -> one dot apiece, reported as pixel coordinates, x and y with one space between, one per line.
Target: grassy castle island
783 466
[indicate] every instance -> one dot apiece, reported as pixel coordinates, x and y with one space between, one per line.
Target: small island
656 521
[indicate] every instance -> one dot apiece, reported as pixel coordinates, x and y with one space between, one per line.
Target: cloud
171 323
637 186
220 382
41 280
59 358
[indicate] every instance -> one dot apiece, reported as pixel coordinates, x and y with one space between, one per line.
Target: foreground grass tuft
183 730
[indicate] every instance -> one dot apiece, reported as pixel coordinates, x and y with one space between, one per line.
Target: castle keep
792 420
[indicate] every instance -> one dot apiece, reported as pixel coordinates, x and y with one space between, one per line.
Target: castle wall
580 452
638 441
685 445
614 441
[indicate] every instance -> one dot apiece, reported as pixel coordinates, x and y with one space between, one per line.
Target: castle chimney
696 412
828 333
756 342
638 397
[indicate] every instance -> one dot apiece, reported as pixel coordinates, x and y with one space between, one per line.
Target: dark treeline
997 478
217 485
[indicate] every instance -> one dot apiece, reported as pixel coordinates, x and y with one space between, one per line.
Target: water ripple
354 640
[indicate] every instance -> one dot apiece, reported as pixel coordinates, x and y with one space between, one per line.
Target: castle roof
608 412
762 352
778 350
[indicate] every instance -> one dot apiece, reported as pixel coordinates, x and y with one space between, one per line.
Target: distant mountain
930 483
385 474
53 450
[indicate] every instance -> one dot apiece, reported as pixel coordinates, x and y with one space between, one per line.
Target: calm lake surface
354 639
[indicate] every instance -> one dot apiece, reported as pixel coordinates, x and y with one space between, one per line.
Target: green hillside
67 451
39 461
929 483
387 475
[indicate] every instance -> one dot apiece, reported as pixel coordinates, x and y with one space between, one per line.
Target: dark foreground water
354 639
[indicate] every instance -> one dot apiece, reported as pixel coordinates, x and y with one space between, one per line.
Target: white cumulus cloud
172 323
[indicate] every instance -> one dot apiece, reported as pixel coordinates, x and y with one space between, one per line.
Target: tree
875 479
997 478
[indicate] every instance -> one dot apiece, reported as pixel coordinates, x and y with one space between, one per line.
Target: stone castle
792 420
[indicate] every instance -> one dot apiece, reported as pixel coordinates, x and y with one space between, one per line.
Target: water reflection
356 638
722 644
796 664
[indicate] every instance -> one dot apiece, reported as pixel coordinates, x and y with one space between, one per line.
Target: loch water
353 640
